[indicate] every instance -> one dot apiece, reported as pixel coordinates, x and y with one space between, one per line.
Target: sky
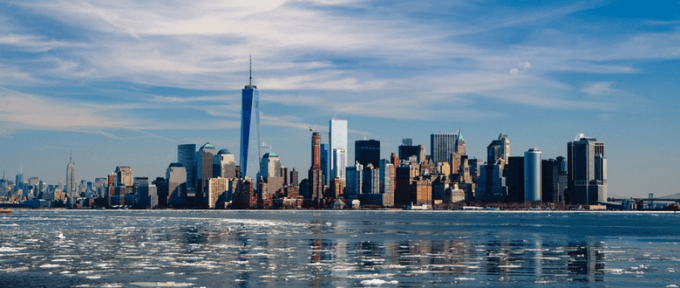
124 82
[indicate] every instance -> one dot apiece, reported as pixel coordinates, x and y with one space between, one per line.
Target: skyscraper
176 176
367 152
532 175
316 181
337 138
124 175
186 155
270 166
325 161
71 177
587 170
442 145
204 168
498 149
224 164
250 106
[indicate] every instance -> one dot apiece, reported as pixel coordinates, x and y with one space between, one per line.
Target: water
105 248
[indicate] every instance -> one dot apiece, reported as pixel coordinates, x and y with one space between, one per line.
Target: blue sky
125 82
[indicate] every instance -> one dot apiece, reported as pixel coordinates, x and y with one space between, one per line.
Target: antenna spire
250 82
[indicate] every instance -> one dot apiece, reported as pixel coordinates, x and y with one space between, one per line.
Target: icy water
83 248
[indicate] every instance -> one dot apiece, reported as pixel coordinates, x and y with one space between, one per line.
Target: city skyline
123 86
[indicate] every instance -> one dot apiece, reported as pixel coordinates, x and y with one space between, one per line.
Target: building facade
367 152
186 155
442 145
587 170
337 139
250 132
532 175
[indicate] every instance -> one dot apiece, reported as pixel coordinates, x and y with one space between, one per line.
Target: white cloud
599 88
32 112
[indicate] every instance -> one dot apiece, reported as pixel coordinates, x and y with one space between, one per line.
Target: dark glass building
367 151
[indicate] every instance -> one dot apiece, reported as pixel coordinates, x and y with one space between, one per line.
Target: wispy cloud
599 88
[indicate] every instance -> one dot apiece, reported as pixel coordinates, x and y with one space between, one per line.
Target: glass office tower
250 107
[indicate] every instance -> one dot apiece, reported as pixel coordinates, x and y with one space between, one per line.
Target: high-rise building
325 161
549 180
147 196
386 177
176 177
315 176
587 170
337 138
367 152
532 175
204 169
186 155
124 176
270 166
498 149
492 184
250 106
405 175
442 145
355 180
224 164
71 177
371 180
515 179
408 151
216 193
293 180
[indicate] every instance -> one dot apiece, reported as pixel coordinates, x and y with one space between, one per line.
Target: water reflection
259 250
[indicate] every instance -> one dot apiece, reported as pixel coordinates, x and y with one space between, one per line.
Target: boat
5 211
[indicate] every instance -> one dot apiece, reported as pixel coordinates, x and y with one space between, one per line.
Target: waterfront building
337 138
336 190
492 186
532 175
370 180
204 169
218 187
515 179
355 180
71 177
176 177
442 145
224 164
147 196
421 191
549 181
405 174
587 170
386 177
244 197
367 152
124 176
186 155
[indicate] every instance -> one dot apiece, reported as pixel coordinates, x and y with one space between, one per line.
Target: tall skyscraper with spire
250 106
70 177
